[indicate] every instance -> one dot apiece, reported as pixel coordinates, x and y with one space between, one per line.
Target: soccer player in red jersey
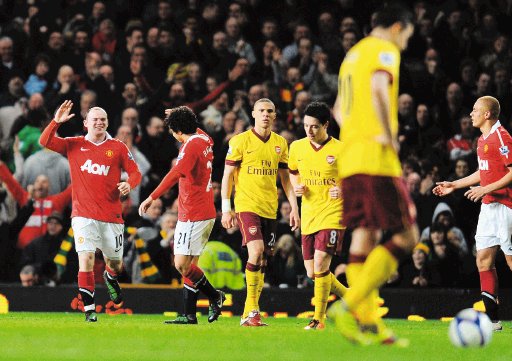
196 210
494 174
96 161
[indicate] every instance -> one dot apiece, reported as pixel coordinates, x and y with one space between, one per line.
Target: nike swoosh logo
250 151
84 149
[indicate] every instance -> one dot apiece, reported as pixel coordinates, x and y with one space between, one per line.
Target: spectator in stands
236 43
75 56
12 105
324 84
125 135
222 266
44 204
159 148
37 82
65 88
301 30
287 266
105 39
443 215
8 66
461 144
49 163
29 276
444 260
416 271
41 252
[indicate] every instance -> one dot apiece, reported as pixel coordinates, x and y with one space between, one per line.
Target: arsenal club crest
330 159
278 149
253 230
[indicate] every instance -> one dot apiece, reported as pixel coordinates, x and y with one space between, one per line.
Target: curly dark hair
182 119
320 111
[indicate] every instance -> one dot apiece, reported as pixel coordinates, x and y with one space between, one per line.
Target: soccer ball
470 328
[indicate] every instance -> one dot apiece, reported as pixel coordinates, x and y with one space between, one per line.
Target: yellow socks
378 267
336 286
322 291
252 278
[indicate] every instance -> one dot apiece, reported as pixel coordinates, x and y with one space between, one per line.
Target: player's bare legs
113 269
86 284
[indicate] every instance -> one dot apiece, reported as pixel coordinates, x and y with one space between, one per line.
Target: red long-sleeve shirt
95 172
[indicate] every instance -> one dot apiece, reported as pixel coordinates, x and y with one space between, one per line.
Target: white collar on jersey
88 138
495 126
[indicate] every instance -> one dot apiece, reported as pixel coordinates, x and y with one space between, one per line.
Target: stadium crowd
137 58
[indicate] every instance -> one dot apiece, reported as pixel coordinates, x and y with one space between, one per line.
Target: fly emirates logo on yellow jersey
94 168
265 169
314 178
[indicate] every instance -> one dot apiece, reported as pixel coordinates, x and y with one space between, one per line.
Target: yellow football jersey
361 153
257 162
318 170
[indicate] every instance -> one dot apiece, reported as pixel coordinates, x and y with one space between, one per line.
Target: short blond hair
492 105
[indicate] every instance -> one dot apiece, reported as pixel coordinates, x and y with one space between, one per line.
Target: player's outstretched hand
62 114
294 219
145 205
443 188
228 220
475 193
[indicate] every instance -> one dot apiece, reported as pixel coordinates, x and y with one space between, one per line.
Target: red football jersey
493 159
95 171
194 169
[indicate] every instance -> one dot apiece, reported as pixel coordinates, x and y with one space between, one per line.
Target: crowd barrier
427 303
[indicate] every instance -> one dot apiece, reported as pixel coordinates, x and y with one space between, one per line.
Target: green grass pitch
65 336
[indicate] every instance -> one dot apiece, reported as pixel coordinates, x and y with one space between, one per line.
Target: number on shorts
333 237
119 241
181 238
272 240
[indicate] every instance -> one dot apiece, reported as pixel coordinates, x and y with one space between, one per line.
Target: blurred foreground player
96 161
376 201
196 210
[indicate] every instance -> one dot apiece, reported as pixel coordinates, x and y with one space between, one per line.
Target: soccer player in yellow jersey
254 160
313 165
376 201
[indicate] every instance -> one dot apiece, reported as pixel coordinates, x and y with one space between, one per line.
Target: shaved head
492 105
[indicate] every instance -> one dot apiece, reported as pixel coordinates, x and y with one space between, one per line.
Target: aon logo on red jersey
483 164
93 168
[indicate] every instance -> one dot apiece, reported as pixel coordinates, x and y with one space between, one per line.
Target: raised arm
48 138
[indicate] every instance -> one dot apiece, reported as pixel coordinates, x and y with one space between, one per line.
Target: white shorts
494 227
91 234
191 237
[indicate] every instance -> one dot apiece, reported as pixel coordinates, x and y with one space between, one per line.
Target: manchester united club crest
278 149
253 230
109 153
330 159
486 148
